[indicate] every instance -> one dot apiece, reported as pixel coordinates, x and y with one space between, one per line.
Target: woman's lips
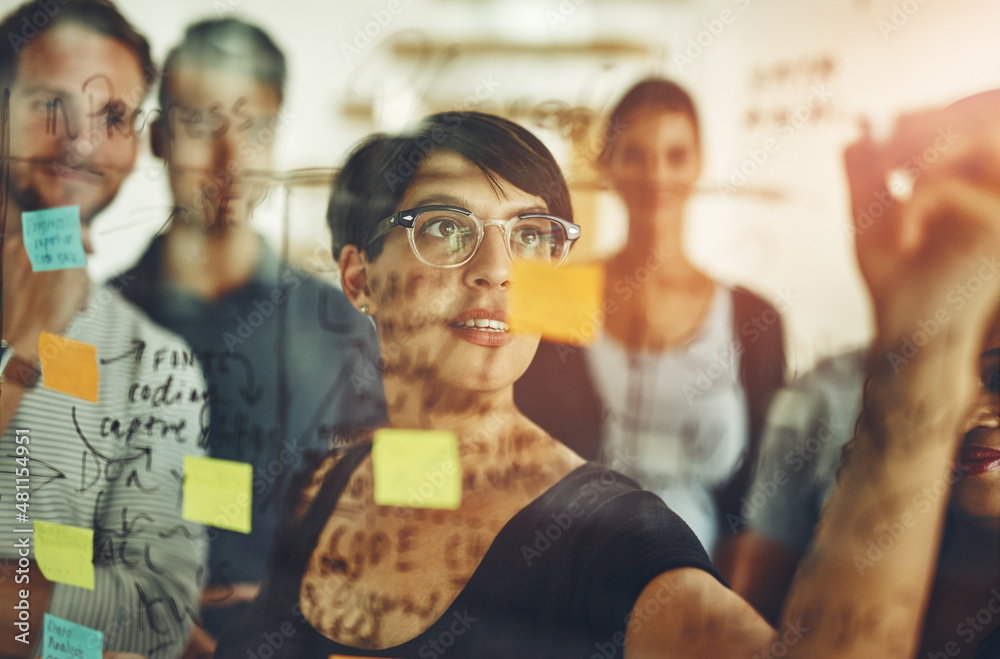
974 460
482 327
479 337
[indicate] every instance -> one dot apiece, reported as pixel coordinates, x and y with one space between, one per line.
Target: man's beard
27 196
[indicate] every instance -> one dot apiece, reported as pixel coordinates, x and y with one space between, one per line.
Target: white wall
771 55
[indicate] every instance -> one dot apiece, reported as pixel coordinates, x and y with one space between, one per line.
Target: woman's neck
654 250
657 297
429 405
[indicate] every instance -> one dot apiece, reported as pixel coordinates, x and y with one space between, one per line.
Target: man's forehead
70 54
192 84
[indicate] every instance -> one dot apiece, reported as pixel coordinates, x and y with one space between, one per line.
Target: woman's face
976 493
423 312
655 160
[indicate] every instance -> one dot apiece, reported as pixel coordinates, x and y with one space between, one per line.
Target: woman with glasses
547 554
675 391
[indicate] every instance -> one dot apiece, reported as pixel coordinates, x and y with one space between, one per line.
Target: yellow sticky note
218 492
416 468
69 366
562 304
65 553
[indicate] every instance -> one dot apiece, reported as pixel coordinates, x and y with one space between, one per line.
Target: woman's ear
354 278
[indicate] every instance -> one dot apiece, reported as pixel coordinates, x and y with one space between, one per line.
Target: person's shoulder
744 296
118 328
108 309
596 488
334 311
833 381
845 370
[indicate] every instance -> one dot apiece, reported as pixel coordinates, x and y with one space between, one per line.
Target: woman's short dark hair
101 16
381 168
655 93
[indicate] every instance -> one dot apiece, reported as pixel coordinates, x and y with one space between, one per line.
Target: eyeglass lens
449 237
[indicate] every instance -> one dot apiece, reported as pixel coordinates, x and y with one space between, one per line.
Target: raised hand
931 259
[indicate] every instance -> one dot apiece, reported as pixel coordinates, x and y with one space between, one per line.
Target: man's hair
231 45
651 93
380 169
33 18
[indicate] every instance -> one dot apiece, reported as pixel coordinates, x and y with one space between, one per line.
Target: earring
363 309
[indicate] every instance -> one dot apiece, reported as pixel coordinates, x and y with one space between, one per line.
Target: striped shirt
116 467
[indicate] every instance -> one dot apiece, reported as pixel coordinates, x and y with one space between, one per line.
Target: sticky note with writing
68 640
52 238
217 492
562 304
416 468
69 366
65 553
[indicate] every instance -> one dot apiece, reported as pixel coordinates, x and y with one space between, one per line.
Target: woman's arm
864 587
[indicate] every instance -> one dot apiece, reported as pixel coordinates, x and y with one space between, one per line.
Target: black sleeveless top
559 580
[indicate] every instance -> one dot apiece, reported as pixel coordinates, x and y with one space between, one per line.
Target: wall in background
797 75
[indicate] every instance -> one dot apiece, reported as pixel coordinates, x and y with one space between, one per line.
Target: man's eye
43 106
116 113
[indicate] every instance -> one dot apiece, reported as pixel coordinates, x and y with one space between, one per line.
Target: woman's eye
677 156
441 228
632 156
529 236
991 380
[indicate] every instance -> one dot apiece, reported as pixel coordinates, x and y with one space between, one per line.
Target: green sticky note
68 640
65 553
218 492
52 238
416 468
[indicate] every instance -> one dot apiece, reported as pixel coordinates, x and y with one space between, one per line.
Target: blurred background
796 76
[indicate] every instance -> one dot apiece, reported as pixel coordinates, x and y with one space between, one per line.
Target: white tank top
677 420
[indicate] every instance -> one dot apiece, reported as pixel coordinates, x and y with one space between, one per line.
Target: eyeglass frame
407 218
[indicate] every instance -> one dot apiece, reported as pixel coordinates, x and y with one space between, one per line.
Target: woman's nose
491 266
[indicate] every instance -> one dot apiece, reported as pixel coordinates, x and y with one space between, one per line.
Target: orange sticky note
69 366
416 468
65 553
562 304
218 492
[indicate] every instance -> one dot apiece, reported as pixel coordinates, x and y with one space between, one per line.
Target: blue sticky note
68 640
52 238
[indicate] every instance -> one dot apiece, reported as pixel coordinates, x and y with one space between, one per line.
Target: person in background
290 363
675 390
113 466
808 425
